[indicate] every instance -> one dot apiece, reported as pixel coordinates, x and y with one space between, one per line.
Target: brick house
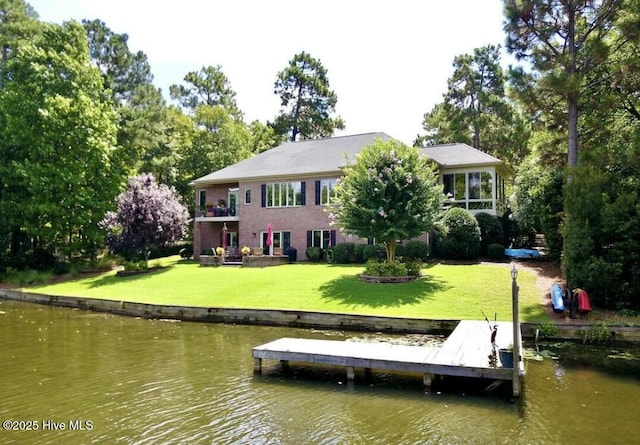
290 186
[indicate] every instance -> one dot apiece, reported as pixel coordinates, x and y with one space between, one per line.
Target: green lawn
444 292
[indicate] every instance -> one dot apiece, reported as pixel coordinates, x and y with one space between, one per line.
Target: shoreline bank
314 320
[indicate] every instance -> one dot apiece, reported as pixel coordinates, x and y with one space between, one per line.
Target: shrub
538 200
375 268
343 253
29 276
495 251
599 277
416 250
61 268
414 267
358 253
460 236
171 249
104 262
313 253
41 259
135 265
373 251
490 231
524 236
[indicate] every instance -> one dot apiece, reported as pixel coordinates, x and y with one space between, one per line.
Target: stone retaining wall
299 319
211 260
264 261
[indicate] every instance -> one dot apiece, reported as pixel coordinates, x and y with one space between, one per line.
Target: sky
387 61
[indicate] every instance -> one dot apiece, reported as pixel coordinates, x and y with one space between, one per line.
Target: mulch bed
370 279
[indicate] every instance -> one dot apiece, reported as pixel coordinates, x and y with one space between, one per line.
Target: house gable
295 159
472 179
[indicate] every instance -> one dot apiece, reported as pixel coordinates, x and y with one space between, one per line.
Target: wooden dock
465 353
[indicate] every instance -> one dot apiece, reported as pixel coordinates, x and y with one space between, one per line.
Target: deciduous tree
390 193
18 22
148 215
59 165
209 141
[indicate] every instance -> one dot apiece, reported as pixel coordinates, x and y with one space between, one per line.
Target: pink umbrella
270 238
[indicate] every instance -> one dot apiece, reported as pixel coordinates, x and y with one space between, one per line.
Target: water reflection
150 381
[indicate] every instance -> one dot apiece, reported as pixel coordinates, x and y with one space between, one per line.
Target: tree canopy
476 111
58 161
307 100
582 80
148 215
18 22
563 41
390 193
209 86
127 78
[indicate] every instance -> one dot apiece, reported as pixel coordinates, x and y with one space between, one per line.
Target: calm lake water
110 379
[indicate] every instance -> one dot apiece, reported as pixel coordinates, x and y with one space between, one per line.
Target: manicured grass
445 291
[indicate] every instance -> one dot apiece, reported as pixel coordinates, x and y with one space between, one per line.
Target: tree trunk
5 57
390 247
572 95
476 136
572 126
296 116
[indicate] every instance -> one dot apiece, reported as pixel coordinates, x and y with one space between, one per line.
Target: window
471 191
321 238
247 196
455 186
202 199
474 185
325 191
280 239
284 194
233 202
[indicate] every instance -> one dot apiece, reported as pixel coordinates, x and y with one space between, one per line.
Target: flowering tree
149 215
390 193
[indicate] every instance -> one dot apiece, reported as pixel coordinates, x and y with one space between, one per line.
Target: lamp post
516 331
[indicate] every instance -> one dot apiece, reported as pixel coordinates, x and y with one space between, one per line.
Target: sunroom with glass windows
471 179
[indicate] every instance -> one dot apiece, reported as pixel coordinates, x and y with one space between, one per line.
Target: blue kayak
556 298
522 253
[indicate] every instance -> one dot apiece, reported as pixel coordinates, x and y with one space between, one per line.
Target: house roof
330 155
298 158
458 155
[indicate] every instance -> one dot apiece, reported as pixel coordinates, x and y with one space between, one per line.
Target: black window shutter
263 196
317 193
332 237
309 238
303 193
